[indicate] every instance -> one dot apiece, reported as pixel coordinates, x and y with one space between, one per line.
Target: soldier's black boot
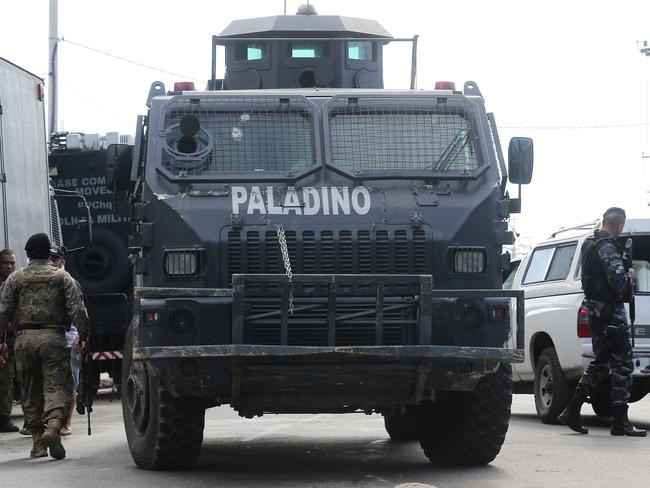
622 425
6 425
571 415
52 439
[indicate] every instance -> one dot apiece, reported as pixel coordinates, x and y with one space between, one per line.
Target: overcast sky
561 72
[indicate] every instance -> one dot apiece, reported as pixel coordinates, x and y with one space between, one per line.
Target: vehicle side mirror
520 160
119 159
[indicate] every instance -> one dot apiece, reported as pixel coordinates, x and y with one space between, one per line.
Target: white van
558 343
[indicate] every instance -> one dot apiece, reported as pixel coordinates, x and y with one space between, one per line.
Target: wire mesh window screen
240 136
404 138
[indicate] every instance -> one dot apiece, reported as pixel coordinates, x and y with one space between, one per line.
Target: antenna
643 48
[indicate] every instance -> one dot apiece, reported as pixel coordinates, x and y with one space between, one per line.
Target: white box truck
27 204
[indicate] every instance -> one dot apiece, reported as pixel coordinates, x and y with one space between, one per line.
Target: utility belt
34 328
41 318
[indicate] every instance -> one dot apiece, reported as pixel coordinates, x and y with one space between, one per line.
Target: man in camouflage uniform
7 266
43 300
607 285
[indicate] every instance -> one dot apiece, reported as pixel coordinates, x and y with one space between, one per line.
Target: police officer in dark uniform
607 286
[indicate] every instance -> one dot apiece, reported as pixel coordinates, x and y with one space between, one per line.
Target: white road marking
267 431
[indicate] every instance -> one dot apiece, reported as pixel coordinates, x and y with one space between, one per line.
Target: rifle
627 260
85 393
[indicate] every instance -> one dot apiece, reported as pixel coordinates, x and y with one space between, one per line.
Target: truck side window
561 262
642 270
538 265
550 264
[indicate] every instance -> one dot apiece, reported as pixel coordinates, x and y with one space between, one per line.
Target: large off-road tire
401 426
551 387
468 428
601 400
163 432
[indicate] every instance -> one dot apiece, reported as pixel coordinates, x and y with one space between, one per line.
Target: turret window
361 51
308 50
251 51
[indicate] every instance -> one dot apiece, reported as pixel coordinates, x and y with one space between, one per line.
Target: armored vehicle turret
303 51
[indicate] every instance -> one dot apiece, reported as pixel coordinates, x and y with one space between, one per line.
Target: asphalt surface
334 451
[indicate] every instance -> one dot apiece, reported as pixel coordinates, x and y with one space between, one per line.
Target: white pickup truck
558 343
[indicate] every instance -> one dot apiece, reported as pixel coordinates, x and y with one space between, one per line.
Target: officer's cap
38 241
58 252
614 210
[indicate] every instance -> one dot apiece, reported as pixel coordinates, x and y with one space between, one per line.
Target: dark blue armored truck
77 163
307 241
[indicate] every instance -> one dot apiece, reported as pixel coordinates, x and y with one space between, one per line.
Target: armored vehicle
77 163
307 241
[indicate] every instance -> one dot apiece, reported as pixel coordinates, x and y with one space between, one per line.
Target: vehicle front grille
355 322
389 251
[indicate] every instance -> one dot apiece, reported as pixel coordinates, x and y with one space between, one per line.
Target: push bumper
430 324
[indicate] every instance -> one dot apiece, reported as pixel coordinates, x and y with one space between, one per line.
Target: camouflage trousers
610 338
6 387
43 367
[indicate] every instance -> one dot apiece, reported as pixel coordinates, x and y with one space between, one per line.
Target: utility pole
52 64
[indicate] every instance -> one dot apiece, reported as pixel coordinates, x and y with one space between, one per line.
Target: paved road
335 451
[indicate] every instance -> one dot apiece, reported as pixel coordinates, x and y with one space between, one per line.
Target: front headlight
184 262
469 259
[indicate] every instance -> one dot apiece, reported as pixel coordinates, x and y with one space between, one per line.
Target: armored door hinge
141 265
143 237
140 211
235 221
504 208
3 177
416 219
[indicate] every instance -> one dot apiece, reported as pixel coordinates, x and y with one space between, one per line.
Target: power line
142 65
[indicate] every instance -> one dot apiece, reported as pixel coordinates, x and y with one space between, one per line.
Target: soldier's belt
47 318
33 328
41 332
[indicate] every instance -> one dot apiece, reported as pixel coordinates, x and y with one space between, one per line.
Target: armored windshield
413 137
216 137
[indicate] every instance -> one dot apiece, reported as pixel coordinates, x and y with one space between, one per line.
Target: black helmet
38 241
58 251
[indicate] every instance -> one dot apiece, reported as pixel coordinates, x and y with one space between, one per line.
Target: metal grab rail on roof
586 226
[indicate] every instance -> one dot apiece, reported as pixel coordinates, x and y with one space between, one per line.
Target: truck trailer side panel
24 200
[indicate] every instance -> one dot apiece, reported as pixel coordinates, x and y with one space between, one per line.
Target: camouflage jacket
42 295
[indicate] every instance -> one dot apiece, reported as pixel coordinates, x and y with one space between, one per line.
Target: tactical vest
593 277
41 298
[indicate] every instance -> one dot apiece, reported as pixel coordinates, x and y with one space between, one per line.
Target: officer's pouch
614 330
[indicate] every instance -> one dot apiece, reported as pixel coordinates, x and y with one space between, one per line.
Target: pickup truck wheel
552 389
601 401
468 428
401 427
163 432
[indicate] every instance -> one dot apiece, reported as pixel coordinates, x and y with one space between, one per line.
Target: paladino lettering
301 201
